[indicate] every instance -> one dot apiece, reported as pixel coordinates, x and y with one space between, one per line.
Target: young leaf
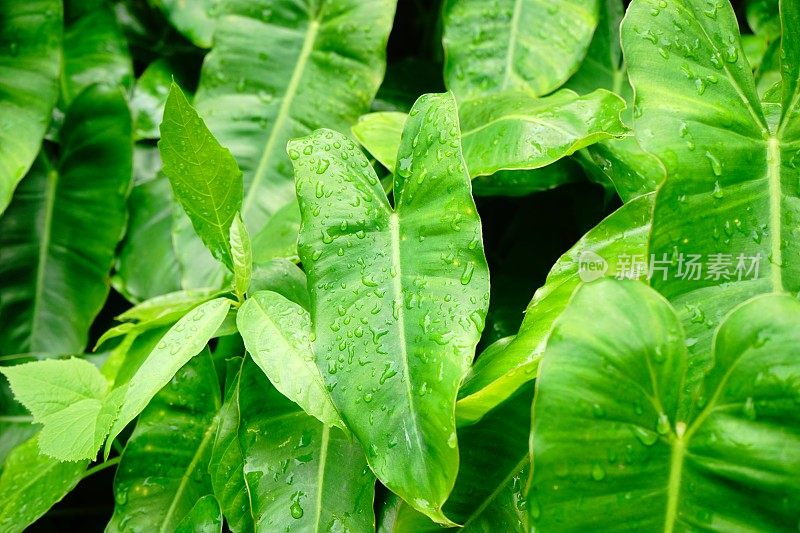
631 428
277 333
204 175
183 341
380 133
399 296
31 483
70 399
731 195
163 471
504 367
31 34
525 45
242 255
52 282
316 478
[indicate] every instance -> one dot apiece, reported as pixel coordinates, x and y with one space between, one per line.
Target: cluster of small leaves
298 351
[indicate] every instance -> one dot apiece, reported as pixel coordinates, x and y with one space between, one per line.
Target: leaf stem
101 466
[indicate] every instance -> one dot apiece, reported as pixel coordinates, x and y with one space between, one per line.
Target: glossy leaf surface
277 333
526 45
204 175
183 341
30 41
732 192
164 468
399 295
632 428
196 20
52 283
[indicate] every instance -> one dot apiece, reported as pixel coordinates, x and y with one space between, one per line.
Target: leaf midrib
283 113
210 432
397 289
44 249
323 459
512 44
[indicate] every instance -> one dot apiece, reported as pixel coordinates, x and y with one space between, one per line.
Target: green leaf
204 175
717 454
283 277
146 263
195 20
256 94
30 56
242 255
525 45
301 474
278 237
205 517
277 333
58 236
380 133
95 50
763 17
732 189
226 466
150 94
490 490
31 483
70 399
514 131
504 367
183 341
164 468
399 295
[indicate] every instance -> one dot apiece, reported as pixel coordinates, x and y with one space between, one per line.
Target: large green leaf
164 468
277 333
30 61
732 193
284 470
57 237
399 295
607 250
204 176
527 45
183 341
31 483
316 63
636 445
489 494
95 50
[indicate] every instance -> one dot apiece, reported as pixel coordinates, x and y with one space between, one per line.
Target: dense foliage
245 256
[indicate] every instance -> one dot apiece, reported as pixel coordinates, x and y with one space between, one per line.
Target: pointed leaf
399 296
52 283
183 341
242 255
716 454
31 34
204 176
